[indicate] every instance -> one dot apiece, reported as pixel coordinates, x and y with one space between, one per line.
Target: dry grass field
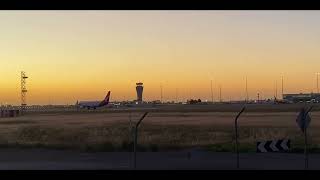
161 130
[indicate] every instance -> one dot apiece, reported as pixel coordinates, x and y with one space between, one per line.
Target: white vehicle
94 104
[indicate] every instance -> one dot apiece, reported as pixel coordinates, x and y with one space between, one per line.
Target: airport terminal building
302 97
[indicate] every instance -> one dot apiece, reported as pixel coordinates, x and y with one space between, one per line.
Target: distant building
193 101
302 97
139 89
156 102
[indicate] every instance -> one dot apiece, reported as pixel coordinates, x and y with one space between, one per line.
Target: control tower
139 89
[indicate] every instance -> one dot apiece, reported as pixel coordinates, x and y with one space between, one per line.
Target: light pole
282 86
211 92
161 93
247 96
318 82
220 93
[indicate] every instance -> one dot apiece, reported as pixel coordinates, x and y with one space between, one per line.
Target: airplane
94 104
280 101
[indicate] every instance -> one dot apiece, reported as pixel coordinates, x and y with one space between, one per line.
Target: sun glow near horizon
80 55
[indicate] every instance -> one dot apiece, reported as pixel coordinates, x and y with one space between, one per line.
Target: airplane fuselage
89 104
94 104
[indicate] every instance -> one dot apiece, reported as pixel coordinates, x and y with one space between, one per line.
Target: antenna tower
23 91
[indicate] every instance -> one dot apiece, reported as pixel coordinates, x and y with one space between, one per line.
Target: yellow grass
159 131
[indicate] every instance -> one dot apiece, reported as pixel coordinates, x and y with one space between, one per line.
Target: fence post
306 142
236 134
135 141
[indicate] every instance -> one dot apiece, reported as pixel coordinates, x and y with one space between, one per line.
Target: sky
80 55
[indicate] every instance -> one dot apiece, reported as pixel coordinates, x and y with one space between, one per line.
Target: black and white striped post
135 140
236 134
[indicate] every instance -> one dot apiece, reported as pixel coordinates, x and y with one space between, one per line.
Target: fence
9 113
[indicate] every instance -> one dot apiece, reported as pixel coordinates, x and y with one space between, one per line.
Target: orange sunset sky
80 55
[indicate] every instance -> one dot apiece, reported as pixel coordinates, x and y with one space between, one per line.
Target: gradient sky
80 55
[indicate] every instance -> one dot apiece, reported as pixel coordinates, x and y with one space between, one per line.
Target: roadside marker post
136 139
303 121
236 133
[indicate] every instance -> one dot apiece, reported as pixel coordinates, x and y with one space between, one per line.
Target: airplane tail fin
106 99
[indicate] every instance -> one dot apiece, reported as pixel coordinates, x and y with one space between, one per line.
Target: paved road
41 159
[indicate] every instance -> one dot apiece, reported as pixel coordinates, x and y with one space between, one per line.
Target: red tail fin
106 100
